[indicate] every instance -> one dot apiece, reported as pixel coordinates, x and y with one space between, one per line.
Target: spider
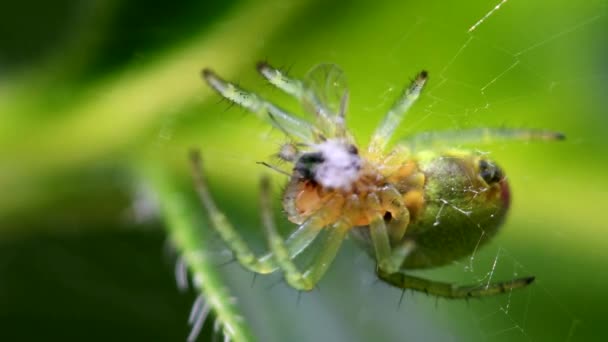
411 206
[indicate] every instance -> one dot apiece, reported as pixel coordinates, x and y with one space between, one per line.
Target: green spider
412 206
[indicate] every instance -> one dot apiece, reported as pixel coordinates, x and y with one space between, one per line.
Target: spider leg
278 117
392 200
279 79
389 258
395 115
446 290
426 140
333 123
295 244
304 281
341 117
274 168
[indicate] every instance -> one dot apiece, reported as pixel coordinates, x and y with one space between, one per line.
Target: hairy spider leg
395 115
332 123
304 281
447 290
299 240
279 79
426 140
285 121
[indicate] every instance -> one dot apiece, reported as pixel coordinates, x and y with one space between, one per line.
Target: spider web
462 98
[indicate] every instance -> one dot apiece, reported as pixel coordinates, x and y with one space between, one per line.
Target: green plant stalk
188 234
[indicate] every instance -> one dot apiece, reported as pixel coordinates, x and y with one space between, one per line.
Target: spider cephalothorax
334 164
349 186
411 206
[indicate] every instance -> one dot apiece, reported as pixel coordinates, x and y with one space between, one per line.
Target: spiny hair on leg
181 274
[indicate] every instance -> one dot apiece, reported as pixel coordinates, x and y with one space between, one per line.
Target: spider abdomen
464 209
461 206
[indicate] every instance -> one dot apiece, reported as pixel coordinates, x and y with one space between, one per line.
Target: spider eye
490 173
352 149
312 158
307 162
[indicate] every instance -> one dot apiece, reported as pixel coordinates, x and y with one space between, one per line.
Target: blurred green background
97 97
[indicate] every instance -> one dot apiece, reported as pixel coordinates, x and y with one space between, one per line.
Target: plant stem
189 236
